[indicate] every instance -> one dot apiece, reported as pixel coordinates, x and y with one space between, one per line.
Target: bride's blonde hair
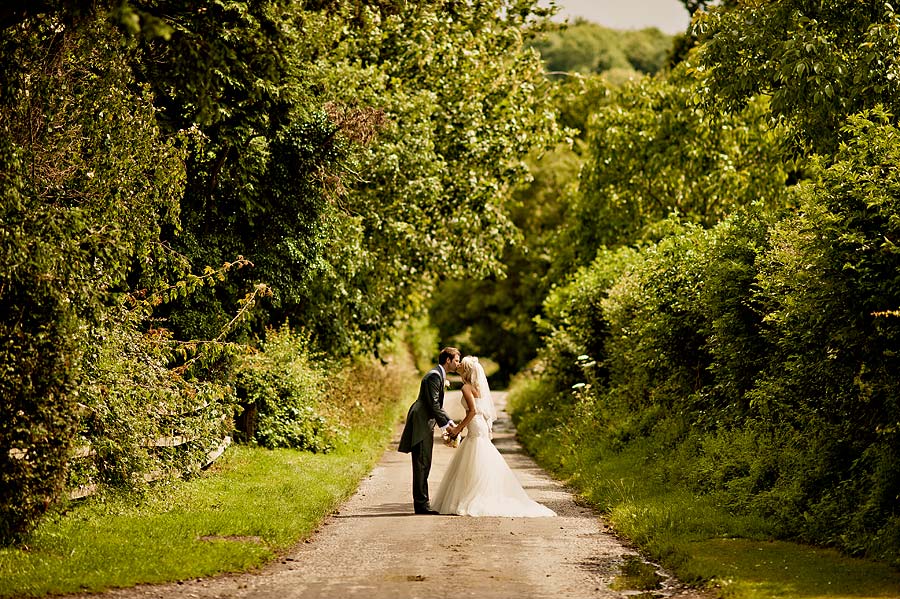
468 370
471 371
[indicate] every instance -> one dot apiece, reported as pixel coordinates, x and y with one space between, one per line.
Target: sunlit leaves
819 61
653 152
463 103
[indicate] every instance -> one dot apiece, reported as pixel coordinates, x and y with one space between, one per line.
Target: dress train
478 482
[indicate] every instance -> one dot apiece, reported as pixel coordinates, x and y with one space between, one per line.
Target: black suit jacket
428 409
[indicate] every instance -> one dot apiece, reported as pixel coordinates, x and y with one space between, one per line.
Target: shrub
829 294
140 418
41 341
575 322
284 389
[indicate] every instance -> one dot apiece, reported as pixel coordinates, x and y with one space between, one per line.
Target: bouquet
450 441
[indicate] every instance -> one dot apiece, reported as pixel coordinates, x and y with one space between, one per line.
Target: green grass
693 537
252 505
772 569
705 545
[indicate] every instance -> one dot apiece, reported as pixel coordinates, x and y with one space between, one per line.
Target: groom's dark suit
418 434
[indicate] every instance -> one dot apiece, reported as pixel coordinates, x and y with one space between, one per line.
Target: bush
41 340
760 353
829 294
575 323
283 392
141 418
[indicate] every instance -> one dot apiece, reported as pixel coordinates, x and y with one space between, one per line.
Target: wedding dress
478 482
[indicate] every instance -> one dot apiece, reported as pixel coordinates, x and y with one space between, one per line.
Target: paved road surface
376 548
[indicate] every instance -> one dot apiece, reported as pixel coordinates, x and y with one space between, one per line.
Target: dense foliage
282 393
211 210
179 177
732 294
819 62
74 125
652 152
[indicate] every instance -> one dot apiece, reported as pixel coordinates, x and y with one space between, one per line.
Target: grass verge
735 557
252 505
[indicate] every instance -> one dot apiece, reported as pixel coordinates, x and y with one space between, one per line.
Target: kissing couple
478 482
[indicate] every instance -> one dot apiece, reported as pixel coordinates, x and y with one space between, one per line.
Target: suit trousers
421 467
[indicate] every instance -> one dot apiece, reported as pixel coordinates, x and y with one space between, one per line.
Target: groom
418 434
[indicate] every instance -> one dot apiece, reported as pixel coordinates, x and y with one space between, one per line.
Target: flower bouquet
450 441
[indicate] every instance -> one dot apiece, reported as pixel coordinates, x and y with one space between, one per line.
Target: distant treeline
587 48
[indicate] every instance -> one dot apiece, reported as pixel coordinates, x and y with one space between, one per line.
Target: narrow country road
375 547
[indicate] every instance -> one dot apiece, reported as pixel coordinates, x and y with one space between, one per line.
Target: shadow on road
382 510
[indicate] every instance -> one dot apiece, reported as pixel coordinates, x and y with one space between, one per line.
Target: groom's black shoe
428 512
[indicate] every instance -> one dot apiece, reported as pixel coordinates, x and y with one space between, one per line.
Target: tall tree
653 151
818 61
350 238
465 102
585 48
88 181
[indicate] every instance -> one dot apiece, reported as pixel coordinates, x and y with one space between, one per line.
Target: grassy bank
699 541
252 505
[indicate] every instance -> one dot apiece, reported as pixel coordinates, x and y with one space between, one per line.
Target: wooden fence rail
174 441
211 456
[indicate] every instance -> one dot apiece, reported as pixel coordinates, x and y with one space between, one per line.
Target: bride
478 482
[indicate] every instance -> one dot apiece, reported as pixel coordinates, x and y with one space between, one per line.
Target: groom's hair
447 354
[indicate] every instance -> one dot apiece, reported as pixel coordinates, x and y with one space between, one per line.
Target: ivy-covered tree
353 153
88 182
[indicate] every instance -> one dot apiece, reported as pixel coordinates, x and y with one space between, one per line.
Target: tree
88 182
349 237
653 150
465 101
585 48
818 62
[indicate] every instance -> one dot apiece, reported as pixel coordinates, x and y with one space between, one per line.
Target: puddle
639 579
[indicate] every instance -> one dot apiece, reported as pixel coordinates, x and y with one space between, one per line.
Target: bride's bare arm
470 407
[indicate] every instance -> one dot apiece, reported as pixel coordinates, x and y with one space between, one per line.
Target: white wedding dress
479 483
